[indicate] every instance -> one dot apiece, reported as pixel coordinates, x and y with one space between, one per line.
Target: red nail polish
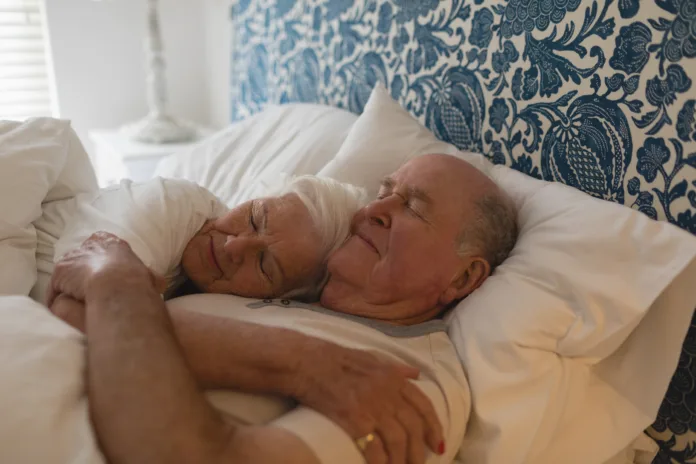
441 448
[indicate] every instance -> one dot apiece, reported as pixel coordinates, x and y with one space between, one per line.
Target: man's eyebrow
388 183
419 194
413 192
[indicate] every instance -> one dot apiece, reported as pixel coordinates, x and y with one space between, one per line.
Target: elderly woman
274 246
268 247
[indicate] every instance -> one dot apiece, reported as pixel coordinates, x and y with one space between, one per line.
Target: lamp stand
158 126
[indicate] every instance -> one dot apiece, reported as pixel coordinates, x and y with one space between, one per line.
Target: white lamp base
159 128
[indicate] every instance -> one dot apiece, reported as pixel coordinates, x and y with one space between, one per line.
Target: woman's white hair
331 205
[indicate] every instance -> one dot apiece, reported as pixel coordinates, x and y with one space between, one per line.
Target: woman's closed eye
264 267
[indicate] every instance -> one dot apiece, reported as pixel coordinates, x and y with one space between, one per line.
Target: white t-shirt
425 346
157 218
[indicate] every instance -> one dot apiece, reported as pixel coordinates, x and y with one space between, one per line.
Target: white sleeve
329 443
157 218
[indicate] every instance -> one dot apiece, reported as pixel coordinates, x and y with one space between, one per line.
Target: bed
598 95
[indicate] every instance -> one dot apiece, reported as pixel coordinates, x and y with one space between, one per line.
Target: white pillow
539 339
41 160
240 162
364 163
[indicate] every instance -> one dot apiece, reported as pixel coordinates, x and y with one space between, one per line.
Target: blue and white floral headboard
597 94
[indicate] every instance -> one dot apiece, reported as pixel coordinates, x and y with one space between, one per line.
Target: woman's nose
237 247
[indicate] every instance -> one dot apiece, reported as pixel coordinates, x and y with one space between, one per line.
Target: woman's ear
474 272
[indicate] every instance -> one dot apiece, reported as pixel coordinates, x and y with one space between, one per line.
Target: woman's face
260 249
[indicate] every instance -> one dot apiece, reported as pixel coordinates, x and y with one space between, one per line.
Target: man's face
260 249
401 261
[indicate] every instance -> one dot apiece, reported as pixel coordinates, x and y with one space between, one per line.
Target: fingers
404 436
104 238
67 278
422 405
395 440
50 296
407 371
375 453
412 424
101 253
54 288
70 311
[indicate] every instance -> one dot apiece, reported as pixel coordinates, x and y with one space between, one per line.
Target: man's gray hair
493 232
331 205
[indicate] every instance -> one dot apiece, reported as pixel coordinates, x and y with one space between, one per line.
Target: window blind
24 74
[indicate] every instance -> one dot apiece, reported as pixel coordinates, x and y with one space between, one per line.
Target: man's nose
379 212
238 247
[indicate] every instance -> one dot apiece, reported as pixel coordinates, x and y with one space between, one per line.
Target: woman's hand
70 311
367 394
102 254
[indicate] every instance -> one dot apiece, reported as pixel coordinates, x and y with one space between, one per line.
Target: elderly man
433 236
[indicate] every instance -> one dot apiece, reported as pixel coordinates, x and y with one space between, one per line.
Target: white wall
218 41
99 60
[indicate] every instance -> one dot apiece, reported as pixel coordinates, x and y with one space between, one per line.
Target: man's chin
333 296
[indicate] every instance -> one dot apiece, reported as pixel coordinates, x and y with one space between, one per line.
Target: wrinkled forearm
228 353
145 404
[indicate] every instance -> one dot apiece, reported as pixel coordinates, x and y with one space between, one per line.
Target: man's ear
473 272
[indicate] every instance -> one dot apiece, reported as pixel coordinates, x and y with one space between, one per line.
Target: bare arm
228 353
145 404
136 374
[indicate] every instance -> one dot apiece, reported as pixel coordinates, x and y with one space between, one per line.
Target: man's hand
364 393
101 255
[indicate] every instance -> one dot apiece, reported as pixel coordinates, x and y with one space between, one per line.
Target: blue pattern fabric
597 94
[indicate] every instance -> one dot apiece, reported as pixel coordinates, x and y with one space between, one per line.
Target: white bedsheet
44 406
44 410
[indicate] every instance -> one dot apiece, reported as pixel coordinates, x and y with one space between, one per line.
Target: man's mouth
213 258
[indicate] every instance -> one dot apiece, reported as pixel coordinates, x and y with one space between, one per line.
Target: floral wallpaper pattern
597 94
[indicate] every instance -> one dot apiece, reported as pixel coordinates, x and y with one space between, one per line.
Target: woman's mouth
213 259
367 241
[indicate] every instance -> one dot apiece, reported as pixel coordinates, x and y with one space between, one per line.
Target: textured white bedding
52 397
41 161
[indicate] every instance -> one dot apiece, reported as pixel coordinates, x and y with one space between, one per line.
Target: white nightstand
117 157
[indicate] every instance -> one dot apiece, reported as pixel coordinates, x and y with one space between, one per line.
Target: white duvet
45 418
41 162
50 204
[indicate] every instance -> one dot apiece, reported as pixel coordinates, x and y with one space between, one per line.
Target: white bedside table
117 157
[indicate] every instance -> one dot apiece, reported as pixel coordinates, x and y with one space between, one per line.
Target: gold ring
362 442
